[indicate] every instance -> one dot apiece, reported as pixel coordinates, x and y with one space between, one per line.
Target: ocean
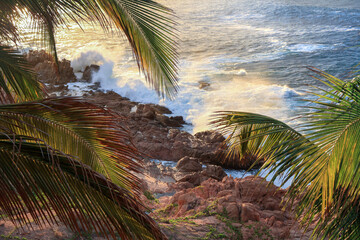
247 55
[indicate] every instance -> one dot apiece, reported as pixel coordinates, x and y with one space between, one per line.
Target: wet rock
204 85
57 88
170 121
95 86
88 72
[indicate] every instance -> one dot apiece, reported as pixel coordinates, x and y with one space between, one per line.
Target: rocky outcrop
189 201
35 57
157 135
188 164
249 193
236 208
88 72
47 71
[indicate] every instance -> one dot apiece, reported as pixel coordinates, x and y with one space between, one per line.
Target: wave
242 92
308 48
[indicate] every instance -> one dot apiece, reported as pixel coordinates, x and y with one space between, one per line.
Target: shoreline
195 199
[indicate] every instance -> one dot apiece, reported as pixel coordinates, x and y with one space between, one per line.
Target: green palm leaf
72 126
322 159
17 81
48 186
253 137
53 179
147 25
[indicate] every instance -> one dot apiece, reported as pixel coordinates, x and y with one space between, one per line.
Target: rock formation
192 200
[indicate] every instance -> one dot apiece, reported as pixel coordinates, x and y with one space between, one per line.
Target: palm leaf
147 25
91 133
53 179
17 82
322 160
43 185
253 137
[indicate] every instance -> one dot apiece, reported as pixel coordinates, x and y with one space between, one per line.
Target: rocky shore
194 199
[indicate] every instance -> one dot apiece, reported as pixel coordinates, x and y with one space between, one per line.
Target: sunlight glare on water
234 55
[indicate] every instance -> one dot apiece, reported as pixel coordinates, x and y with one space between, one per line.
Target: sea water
252 54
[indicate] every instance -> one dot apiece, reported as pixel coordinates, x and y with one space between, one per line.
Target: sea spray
239 90
86 59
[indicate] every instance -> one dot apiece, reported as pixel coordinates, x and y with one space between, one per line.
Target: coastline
194 199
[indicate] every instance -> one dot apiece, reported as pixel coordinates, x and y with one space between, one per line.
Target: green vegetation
321 156
65 159
12 237
150 196
260 233
214 234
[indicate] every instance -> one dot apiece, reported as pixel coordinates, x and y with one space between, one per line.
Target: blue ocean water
250 54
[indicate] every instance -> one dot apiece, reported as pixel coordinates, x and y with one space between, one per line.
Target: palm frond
17 81
253 137
322 162
43 185
54 179
148 26
8 31
94 135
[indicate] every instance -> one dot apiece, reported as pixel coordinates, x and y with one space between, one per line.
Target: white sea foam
85 59
308 48
241 91
241 72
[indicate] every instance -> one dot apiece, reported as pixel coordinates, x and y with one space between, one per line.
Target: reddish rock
194 178
35 57
46 69
210 136
214 171
188 164
232 211
204 192
170 121
249 212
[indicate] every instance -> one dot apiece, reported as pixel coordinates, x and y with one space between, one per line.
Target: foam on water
250 52
85 59
308 48
228 90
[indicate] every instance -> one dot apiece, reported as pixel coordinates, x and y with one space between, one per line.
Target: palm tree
62 159
321 156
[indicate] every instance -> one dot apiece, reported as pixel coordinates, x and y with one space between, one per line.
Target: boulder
210 136
249 212
48 72
188 164
89 70
170 121
204 85
214 171
232 210
195 178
